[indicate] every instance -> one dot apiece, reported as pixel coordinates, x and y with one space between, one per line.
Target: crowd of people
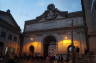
38 59
59 58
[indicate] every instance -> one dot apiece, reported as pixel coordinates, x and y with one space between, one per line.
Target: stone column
90 24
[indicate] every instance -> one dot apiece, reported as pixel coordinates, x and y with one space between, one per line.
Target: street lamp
71 47
72 35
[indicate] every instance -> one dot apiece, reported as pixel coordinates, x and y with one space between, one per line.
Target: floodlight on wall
65 38
32 39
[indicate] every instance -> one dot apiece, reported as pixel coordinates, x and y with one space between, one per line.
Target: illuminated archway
63 45
36 45
48 41
31 49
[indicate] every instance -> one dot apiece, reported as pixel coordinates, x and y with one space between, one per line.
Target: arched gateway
51 33
49 44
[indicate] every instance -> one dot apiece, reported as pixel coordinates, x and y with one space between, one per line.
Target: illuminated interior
37 47
61 46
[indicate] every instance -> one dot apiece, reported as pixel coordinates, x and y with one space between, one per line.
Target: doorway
1 47
49 46
31 49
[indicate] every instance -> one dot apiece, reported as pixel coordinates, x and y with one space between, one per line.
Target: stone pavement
39 61
30 60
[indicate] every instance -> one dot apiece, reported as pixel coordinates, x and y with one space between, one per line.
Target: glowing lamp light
63 44
65 37
32 39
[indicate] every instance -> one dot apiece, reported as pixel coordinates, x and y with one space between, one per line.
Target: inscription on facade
54 24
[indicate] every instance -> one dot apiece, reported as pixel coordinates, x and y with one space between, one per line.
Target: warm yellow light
32 39
63 45
37 47
65 37
13 45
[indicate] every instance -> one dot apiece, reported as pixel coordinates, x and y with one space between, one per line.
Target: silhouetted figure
67 57
86 51
77 50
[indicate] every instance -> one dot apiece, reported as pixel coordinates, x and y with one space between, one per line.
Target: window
3 34
15 39
10 37
95 6
95 10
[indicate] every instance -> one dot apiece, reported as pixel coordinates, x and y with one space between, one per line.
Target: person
48 59
77 50
56 58
67 57
1 57
86 51
61 59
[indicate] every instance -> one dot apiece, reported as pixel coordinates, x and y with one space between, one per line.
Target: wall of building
78 21
9 33
12 42
89 9
63 38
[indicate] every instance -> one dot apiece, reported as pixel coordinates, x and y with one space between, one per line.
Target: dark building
9 33
89 8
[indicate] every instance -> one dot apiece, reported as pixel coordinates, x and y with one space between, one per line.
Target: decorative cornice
7 26
56 29
2 13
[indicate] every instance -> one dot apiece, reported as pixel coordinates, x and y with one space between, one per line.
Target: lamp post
72 45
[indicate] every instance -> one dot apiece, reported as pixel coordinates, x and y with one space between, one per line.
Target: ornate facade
51 33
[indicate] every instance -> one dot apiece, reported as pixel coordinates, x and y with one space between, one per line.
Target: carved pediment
52 13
